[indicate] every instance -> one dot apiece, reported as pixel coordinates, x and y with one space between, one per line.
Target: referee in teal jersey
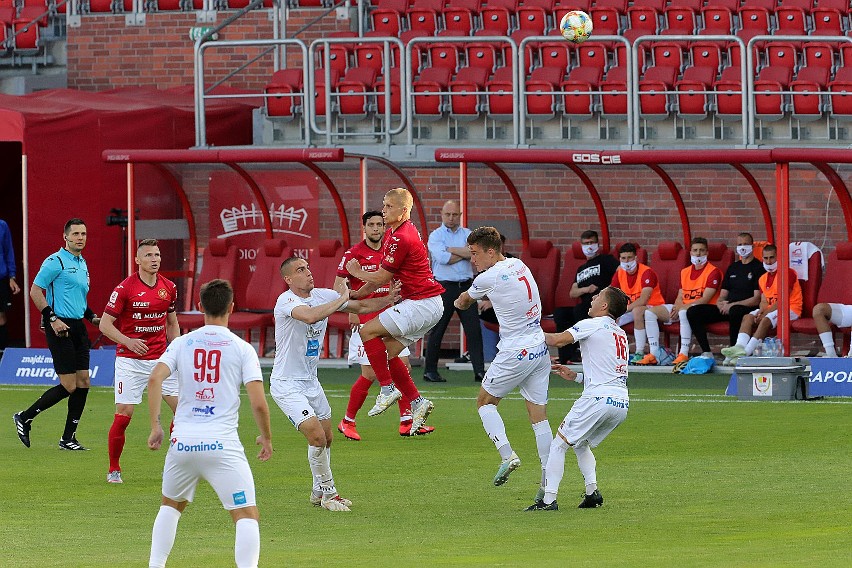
59 293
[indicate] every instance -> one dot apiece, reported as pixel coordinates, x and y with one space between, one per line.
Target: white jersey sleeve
513 293
603 345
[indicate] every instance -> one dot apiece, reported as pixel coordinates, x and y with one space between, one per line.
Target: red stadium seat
827 21
620 6
593 54
578 101
287 84
483 55
818 55
613 100
817 75
694 5
424 20
642 20
459 20
590 75
706 54
464 102
667 261
556 55
720 256
353 101
680 20
218 261
780 54
807 100
606 21
653 101
428 105
497 21
542 258
691 103
768 101
717 21
395 95
791 21
388 22
444 55
262 291
533 19
662 74
806 5
501 102
658 5
320 89
732 5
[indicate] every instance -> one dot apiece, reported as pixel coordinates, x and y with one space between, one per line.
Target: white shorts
409 320
131 379
841 315
592 418
357 356
773 316
300 400
528 369
222 463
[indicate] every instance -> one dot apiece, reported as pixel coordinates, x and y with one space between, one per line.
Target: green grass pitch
692 478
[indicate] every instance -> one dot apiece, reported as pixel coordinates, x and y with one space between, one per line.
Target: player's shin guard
320 462
496 430
247 543
555 469
357 395
588 466
543 439
652 328
116 440
76 404
163 536
377 354
402 379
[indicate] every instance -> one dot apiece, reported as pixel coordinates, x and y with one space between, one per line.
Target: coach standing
452 269
59 293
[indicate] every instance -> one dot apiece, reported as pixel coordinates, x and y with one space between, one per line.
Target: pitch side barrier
577 160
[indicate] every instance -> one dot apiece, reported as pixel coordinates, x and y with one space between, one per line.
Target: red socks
357 396
116 440
402 379
377 354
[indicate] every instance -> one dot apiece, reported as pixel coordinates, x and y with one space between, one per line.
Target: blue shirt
439 240
7 255
65 278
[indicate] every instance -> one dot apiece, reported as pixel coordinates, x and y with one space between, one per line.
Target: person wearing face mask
740 294
642 287
592 276
699 284
766 316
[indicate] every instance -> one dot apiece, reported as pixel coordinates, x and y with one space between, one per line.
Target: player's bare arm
705 297
155 396
558 339
107 327
643 298
371 305
380 277
40 301
464 301
565 372
311 315
260 409
172 327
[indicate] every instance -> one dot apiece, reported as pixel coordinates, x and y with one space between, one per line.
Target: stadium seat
717 20
444 55
827 21
791 21
613 99
768 5
572 260
780 74
769 101
700 74
658 5
840 95
510 5
841 5
620 6
501 102
483 55
262 291
606 21
219 260
806 5
720 256
692 104
807 102
464 102
590 75
593 54
496 21
781 54
395 95
287 84
543 260
387 22
353 101
372 55
706 54
532 19
338 58
27 37
458 20
641 21
653 101
753 21
470 5
320 90
694 5
680 20
813 74
578 101
641 253
434 5
818 55
667 261
729 97
556 55
425 20
428 105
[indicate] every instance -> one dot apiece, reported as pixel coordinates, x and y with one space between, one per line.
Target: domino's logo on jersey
532 356
522 355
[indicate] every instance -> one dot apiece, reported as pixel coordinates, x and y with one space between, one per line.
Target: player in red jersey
368 254
405 259
140 317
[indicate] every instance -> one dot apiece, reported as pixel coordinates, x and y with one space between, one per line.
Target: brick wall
105 54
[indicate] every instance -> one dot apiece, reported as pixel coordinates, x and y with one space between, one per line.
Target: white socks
247 543
640 336
652 329
163 536
496 430
751 345
827 339
685 332
742 339
543 439
555 469
320 461
587 463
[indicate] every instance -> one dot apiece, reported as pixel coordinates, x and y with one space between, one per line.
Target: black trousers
704 314
470 322
565 317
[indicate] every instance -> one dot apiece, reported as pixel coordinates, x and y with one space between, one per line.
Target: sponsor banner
830 376
35 367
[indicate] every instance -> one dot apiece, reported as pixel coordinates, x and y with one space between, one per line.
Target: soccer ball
576 26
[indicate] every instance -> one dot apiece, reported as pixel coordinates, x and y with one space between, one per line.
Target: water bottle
779 347
770 349
758 349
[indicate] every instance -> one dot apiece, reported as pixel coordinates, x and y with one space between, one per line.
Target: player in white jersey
522 357
604 402
212 365
301 318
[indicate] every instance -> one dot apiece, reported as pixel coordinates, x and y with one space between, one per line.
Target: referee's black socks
76 404
50 397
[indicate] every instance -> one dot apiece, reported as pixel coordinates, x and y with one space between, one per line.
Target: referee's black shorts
70 352
5 295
